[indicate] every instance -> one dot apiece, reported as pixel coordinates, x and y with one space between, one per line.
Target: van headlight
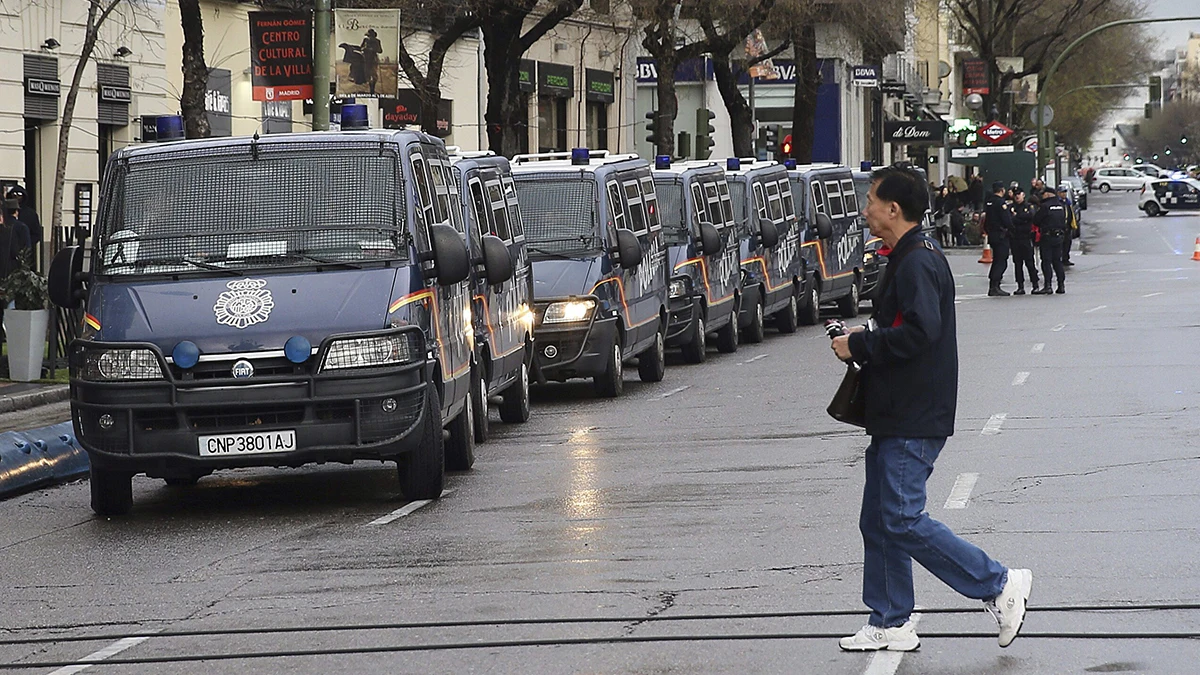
678 287
372 352
569 311
116 365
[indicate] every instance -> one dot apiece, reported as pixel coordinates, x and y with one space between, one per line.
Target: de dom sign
927 132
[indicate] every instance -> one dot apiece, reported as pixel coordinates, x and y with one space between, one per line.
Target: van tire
460 446
611 383
848 306
811 315
696 349
422 472
787 318
652 363
112 491
479 400
727 336
514 406
755 332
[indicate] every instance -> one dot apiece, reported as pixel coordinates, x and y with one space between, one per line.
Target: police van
836 260
594 237
874 262
703 256
774 277
272 301
501 287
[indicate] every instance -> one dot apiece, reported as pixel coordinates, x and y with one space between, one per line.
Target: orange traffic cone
1196 253
987 251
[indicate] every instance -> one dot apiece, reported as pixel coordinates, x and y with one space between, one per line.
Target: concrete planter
26 335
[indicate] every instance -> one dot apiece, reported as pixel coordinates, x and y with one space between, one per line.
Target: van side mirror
824 226
710 239
65 281
497 262
629 249
451 262
768 234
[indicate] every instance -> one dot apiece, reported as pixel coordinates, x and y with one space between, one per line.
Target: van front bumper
156 426
684 312
574 350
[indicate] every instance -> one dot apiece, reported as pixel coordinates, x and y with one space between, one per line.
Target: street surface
724 490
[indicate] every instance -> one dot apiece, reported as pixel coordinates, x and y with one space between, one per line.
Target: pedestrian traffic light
1127 157
771 139
652 128
787 146
704 132
1155 89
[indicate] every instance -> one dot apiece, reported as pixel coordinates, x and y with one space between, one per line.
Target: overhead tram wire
478 623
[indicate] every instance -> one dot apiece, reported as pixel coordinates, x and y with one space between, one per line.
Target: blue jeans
896 530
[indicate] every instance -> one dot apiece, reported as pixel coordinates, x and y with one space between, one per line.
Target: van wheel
479 400
696 349
423 471
112 491
848 306
514 407
811 315
652 363
754 332
1105 187
460 447
1152 209
786 318
727 337
612 383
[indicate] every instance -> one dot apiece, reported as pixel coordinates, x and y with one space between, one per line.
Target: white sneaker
1009 606
873 638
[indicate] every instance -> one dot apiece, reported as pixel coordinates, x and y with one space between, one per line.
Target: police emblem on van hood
246 303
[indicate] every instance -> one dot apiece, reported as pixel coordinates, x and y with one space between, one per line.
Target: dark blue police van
703 256
774 277
599 265
272 301
836 260
501 288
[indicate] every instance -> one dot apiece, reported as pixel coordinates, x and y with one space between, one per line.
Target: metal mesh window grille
559 213
670 204
224 208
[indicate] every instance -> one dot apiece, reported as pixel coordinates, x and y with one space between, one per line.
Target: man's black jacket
1051 218
1022 220
997 218
910 360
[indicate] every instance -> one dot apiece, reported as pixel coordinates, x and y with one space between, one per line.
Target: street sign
1030 144
866 76
1047 115
995 132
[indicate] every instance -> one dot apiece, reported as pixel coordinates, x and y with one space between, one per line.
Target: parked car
501 289
264 329
1078 191
1163 195
703 248
836 260
594 236
1118 178
1152 170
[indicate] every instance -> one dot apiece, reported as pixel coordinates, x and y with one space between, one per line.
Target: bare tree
195 71
727 72
428 84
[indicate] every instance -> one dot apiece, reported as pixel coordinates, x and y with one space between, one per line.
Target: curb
39 457
33 399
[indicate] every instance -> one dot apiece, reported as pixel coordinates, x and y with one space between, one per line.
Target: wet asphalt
723 491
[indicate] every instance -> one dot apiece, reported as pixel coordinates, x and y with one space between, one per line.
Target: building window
597 125
552 124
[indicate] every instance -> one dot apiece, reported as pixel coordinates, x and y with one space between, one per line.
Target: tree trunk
741 118
195 71
504 115
668 105
808 79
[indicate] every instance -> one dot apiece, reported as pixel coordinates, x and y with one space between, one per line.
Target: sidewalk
16 396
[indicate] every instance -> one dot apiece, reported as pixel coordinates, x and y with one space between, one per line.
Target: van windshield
559 215
231 208
670 210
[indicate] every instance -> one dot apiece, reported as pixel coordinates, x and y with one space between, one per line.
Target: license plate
225 445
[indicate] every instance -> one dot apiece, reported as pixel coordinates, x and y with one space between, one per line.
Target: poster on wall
218 101
975 77
281 56
369 46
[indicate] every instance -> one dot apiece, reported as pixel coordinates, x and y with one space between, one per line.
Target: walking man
997 224
1051 220
910 371
1022 242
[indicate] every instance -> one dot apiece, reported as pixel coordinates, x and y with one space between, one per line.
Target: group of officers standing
1015 223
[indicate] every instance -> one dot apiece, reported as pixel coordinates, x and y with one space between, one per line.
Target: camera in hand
835 328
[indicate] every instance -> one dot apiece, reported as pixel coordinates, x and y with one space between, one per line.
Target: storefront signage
405 111
149 128
525 71
975 77
115 94
281 56
40 87
698 69
218 102
893 88
600 86
555 80
930 132
995 132
866 76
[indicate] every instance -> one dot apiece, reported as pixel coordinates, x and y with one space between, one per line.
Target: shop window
552 124
597 125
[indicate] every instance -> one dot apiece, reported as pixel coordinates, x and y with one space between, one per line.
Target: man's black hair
904 186
998 186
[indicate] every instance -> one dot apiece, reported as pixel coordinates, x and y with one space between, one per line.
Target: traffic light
787 146
1183 139
652 128
1127 157
1155 89
771 140
704 132
1167 150
1156 156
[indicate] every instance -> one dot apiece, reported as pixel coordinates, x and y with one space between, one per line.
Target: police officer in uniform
1051 219
1022 241
997 224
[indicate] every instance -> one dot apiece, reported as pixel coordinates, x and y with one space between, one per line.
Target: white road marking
98 656
1120 236
885 662
993 424
1151 295
960 494
1058 328
1124 250
1020 378
405 510
1095 309
753 359
676 390
1037 349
